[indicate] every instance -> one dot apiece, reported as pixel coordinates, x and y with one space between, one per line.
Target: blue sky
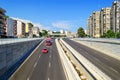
54 14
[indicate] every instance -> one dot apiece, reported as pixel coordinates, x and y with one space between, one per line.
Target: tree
81 32
103 36
40 34
34 36
117 35
44 33
6 16
110 34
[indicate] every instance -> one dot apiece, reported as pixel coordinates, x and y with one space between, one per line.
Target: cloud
62 24
39 25
42 27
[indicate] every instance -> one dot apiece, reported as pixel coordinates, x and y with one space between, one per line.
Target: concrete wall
11 53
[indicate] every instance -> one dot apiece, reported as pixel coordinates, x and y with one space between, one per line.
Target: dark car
48 43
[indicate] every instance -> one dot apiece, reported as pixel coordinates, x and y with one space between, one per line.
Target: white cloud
38 25
62 24
42 27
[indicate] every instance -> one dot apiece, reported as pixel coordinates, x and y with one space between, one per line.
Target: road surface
107 64
48 66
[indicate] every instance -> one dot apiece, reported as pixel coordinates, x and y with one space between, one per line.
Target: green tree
34 36
81 32
110 34
103 36
44 33
117 35
6 16
40 34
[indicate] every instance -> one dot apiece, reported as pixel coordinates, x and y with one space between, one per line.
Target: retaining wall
12 53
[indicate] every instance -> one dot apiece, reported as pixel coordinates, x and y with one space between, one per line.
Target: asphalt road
107 64
48 66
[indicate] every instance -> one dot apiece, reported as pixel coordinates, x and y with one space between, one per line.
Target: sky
54 15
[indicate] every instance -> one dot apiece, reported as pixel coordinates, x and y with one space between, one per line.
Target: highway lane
48 66
107 64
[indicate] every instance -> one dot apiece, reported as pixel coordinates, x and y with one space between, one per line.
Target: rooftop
1 9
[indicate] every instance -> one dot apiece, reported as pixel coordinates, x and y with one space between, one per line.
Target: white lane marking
80 49
97 59
50 51
49 64
50 56
35 64
39 56
48 78
107 58
28 78
114 70
34 67
86 52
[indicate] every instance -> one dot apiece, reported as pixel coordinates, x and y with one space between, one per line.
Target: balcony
1 15
1 20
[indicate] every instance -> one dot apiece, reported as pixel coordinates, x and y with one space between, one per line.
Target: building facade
104 20
90 26
10 27
2 23
62 31
28 30
15 28
96 24
115 17
36 31
20 29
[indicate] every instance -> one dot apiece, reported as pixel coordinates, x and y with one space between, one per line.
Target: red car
44 51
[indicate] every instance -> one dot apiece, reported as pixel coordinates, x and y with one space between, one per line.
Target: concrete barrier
12 55
81 70
98 74
71 73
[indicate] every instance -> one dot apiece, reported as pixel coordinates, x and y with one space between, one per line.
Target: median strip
98 74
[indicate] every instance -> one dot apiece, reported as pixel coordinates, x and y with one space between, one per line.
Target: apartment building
96 23
10 27
89 26
115 17
104 20
28 30
107 19
15 28
36 31
2 23
20 29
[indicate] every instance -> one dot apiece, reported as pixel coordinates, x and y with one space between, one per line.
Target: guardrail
98 74
71 73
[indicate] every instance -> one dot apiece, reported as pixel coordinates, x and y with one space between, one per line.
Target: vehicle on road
44 50
48 43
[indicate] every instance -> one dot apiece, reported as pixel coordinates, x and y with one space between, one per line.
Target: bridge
57 35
